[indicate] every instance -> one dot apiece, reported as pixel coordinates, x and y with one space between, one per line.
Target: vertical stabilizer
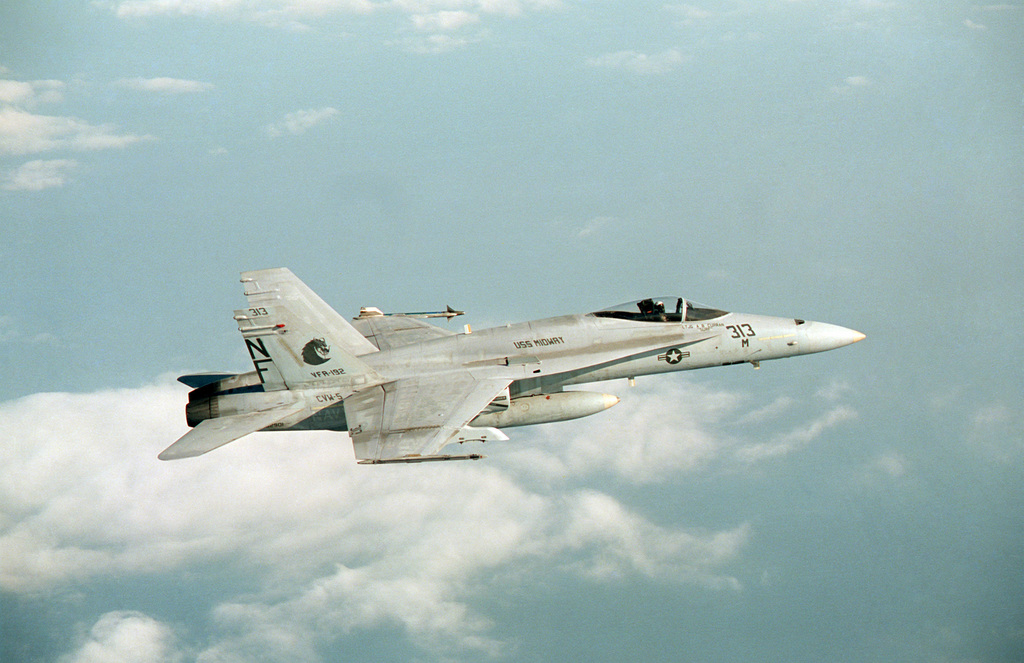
294 338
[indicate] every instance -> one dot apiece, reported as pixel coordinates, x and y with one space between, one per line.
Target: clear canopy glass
661 309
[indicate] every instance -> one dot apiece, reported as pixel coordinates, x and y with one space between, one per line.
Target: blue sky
855 162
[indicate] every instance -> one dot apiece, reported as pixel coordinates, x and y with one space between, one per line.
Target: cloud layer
337 547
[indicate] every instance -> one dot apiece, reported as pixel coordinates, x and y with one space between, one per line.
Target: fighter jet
405 389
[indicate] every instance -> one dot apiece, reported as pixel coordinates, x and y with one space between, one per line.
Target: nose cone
821 336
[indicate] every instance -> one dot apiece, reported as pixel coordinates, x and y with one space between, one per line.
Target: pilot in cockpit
654 309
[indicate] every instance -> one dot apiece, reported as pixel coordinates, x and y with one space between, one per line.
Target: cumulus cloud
444 21
657 431
83 499
164 85
126 637
640 63
300 121
29 94
619 542
39 174
22 132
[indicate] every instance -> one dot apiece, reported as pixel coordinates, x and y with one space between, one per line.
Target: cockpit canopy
661 309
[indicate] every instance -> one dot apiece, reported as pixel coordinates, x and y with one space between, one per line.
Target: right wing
411 419
213 433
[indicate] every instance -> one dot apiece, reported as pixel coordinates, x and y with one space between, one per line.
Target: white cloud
891 464
39 174
885 471
796 438
690 13
834 391
662 428
29 94
997 431
15 92
437 42
596 225
164 85
640 63
278 11
300 121
126 637
444 21
852 85
426 15
22 132
83 497
146 8
771 411
621 542
12 330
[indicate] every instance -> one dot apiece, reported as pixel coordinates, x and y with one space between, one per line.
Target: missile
372 312
545 408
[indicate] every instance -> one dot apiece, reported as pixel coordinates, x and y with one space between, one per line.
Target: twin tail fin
294 338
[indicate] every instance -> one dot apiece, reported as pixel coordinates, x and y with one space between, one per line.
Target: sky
858 162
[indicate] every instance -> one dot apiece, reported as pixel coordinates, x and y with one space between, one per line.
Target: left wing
411 419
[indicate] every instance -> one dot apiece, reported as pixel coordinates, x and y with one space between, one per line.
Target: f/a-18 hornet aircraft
405 389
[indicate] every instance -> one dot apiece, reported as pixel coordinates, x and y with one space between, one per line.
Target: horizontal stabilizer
197 380
213 433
